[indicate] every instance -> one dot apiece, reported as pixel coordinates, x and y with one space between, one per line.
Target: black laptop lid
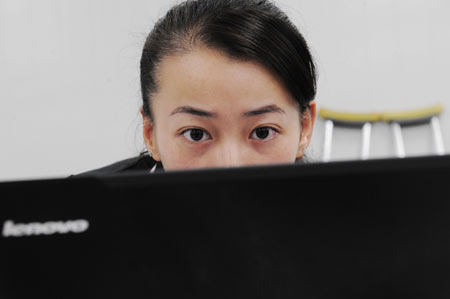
367 229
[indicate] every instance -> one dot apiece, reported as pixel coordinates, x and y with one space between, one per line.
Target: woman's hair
246 30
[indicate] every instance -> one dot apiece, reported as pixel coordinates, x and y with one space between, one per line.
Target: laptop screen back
347 229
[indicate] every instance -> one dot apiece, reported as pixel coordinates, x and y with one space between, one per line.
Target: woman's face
213 111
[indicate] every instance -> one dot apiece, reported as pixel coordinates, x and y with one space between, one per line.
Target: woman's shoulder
141 162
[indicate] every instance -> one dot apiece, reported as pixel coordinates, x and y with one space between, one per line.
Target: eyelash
190 129
275 132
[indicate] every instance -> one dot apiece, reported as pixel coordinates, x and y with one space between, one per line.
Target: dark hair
248 30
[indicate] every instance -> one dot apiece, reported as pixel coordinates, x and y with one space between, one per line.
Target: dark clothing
141 162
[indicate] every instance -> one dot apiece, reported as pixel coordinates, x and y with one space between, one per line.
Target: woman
224 83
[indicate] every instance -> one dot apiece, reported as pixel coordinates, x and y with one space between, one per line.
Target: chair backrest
395 119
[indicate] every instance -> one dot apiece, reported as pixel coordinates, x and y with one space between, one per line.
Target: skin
227 100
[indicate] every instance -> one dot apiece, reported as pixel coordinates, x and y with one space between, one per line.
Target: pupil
196 134
262 133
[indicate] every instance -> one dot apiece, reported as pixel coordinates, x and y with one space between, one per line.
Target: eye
264 133
196 135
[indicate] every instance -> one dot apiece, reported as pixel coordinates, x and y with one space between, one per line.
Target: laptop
350 229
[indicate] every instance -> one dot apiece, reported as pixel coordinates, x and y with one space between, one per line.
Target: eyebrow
193 111
199 112
264 110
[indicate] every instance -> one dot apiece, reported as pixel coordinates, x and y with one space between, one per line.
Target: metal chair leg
366 130
328 140
399 145
438 141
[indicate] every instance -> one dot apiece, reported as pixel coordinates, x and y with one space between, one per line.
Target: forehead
212 80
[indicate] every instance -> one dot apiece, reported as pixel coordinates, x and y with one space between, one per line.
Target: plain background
69 76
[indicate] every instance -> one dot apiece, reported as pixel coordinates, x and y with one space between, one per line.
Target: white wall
375 55
69 75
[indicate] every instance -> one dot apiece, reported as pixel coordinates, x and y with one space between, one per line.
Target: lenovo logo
11 229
